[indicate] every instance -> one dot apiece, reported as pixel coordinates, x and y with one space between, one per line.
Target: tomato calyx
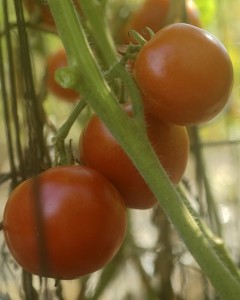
134 35
128 53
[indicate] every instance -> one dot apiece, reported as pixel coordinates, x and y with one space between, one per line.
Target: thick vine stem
133 139
99 29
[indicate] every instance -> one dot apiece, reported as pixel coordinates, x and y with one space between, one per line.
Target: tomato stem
95 13
62 133
133 139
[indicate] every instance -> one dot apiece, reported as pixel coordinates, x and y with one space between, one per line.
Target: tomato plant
185 74
100 150
66 222
56 61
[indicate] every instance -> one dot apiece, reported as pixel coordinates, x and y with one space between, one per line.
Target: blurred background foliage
153 263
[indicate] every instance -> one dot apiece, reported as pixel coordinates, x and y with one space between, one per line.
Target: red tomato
100 150
67 222
185 75
56 61
152 14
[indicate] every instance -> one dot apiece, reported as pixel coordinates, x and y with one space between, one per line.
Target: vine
129 132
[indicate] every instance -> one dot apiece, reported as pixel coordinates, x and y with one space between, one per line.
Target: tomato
185 75
39 11
67 222
56 61
152 14
100 150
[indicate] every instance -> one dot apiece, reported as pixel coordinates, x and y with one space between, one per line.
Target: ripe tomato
185 75
100 150
152 14
67 222
56 61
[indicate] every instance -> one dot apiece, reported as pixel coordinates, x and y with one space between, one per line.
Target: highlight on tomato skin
54 62
99 150
67 222
185 75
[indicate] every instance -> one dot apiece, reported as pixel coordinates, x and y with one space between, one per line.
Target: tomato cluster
71 220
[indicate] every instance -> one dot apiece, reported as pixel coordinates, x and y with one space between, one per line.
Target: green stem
62 133
135 142
95 12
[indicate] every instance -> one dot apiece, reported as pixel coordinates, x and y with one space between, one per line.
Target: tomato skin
82 218
185 75
56 61
100 150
